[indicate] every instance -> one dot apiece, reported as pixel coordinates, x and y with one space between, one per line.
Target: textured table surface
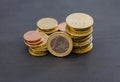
100 65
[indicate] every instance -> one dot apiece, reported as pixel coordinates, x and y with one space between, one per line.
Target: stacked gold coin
37 42
80 27
47 25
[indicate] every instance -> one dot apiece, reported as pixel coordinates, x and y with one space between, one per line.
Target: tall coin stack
80 27
47 25
37 42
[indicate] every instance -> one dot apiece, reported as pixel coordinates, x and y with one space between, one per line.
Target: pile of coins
37 43
74 35
80 27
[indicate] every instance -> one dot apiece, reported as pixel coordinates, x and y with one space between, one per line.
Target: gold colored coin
80 39
83 50
86 42
40 53
80 47
79 30
59 44
47 23
79 20
44 47
38 50
49 31
75 33
74 29
54 29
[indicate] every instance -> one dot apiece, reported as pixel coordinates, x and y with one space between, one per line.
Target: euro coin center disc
60 44
47 23
79 20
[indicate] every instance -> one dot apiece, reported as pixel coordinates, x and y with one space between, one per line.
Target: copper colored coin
35 43
62 26
32 36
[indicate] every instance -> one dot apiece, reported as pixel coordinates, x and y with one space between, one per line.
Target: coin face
59 44
79 20
32 36
47 23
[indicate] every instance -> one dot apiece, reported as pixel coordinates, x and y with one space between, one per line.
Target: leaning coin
59 44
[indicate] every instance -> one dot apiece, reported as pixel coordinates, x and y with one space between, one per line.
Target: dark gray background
100 65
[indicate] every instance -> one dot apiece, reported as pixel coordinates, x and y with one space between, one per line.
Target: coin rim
83 43
82 34
38 54
84 50
49 32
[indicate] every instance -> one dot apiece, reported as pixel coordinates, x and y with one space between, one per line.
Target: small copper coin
32 36
62 26
35 43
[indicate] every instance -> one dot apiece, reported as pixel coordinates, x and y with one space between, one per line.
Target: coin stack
47 25
37 42
80 27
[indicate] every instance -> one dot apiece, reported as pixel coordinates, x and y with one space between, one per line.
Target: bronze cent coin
32 36
62 26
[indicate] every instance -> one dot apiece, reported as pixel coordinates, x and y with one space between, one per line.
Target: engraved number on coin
59 44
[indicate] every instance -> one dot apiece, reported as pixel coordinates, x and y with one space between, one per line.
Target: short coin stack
37 42
47 25
80 27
